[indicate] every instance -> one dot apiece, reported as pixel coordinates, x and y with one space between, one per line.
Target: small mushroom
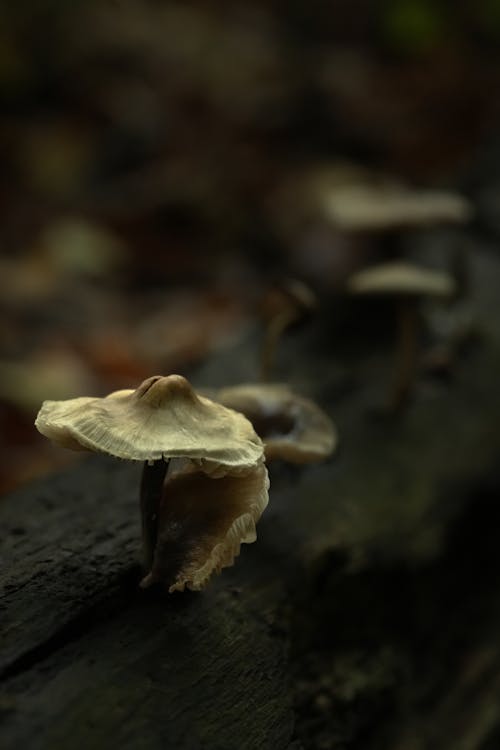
336 217
380 208
407 284
286 305
292 427
163 419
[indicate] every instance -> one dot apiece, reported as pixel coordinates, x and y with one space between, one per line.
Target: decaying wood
87 656
366 615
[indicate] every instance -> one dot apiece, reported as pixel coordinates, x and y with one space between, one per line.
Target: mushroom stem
153 477
407 321
460 272
275 329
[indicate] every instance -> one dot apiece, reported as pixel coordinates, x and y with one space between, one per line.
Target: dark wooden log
366 614
88 658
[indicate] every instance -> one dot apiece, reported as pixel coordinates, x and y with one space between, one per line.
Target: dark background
156 158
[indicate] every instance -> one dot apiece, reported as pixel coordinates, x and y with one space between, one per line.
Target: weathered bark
366 615
90 660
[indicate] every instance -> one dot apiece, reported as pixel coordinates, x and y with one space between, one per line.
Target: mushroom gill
203 522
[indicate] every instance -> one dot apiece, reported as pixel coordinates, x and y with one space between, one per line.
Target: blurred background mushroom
286 305
407 285
336 216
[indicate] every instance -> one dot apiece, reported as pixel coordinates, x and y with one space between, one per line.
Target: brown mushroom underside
202 523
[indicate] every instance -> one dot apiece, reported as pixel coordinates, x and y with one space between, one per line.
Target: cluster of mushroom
354 215
197 513
205 483
385 211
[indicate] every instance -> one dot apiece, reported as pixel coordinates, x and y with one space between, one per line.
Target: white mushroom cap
292 427
378 208
401 278
162 418
202 524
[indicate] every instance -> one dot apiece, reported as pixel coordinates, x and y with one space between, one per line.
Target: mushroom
407 284
386 207
292 427
335 217
164 419
219 514
286 305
